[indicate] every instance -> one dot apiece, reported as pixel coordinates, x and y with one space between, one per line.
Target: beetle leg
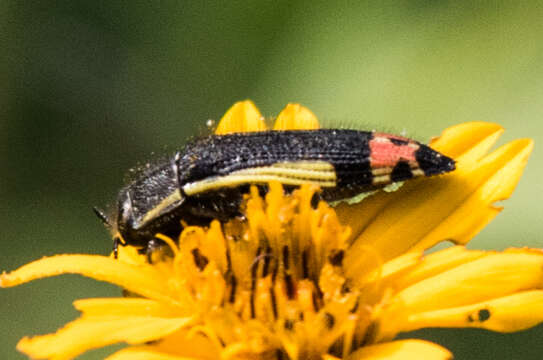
116 243
102 216
152 246
221 205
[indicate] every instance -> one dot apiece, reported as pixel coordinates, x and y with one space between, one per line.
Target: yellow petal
145 353
130 255
461 139
436 263
478 280
491 276
397 266
451 207
97 331
477 210
198 342
140 279
359 215
296 117
402 350
387 273
127 307
506 314
471 140
243 116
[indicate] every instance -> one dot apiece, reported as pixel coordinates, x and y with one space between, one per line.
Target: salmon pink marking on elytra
387 153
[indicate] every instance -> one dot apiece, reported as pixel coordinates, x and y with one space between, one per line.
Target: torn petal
296 117
243 116
504 167
450 207
471 140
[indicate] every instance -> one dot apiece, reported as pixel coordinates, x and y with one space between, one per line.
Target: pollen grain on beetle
296 278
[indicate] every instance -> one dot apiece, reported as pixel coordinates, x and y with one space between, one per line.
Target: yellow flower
299 281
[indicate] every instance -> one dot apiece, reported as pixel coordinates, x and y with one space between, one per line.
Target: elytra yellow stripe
306 165
383 179
234 180
164 204
289 172
286 173
387 170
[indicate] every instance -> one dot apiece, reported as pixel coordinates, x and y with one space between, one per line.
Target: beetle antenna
102 216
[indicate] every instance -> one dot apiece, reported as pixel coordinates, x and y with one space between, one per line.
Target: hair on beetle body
207 179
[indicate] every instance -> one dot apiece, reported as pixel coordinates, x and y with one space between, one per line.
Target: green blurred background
90 89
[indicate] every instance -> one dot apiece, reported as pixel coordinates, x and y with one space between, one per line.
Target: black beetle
207 179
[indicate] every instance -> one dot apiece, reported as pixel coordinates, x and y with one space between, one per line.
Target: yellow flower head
297 279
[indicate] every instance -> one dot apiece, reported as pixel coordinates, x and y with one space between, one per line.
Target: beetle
207 179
